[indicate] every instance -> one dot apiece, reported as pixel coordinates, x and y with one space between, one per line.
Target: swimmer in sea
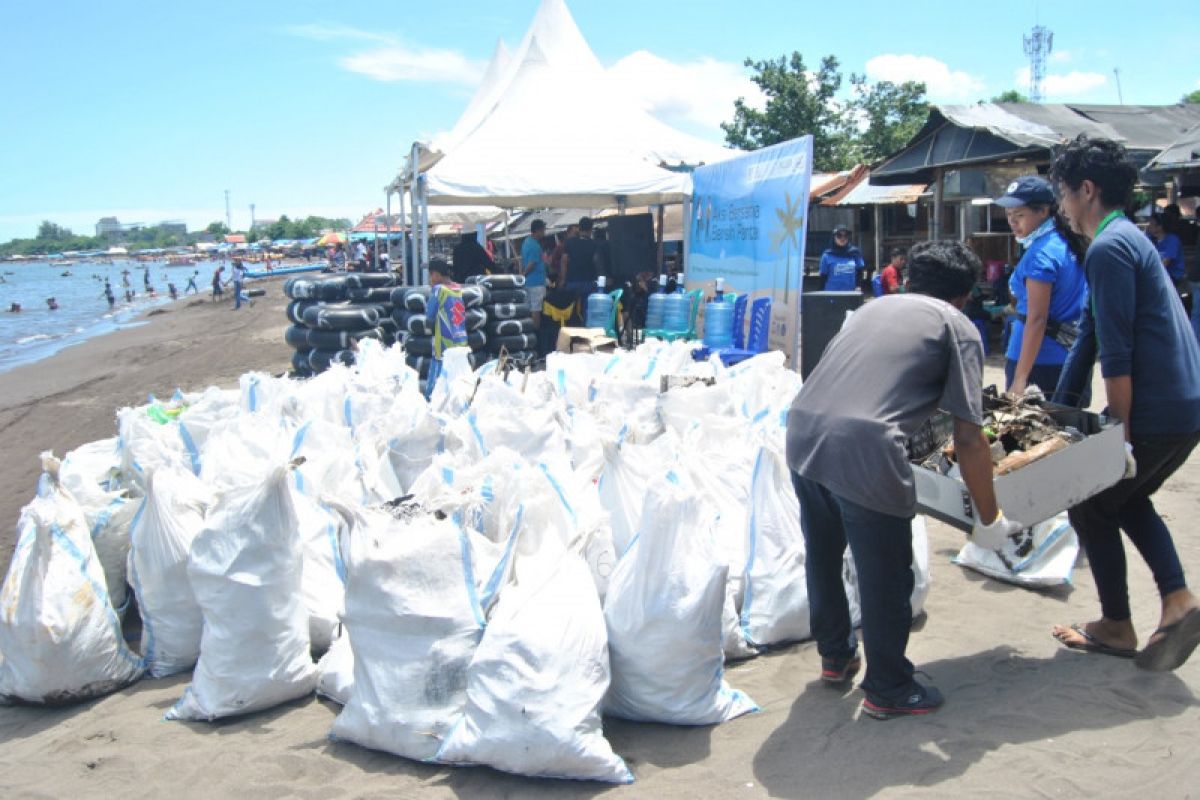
52 303
171 290
14 308
108 294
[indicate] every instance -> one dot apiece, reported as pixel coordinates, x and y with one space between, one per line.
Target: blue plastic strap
298 439
469 572
493 584
475 429
253 393
101 594
190 444
558 490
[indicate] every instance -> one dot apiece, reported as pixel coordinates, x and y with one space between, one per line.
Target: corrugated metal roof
1181 154
865 194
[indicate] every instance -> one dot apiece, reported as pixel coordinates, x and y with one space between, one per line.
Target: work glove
999 535
1130 464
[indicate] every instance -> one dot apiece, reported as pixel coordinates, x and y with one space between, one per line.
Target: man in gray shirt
895 362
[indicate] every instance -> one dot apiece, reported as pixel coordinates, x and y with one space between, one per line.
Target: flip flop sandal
1175 644
1091 644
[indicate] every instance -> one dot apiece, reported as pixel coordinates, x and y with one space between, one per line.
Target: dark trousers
1127 506
1043 376
581 290
882 548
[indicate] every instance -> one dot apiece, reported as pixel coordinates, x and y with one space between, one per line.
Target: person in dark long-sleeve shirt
1150 362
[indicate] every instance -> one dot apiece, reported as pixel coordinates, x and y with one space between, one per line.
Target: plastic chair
760 326
696 296
613 315
877 286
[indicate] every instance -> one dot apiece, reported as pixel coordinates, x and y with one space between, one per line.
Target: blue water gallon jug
655 306
677 311
718 325
599 307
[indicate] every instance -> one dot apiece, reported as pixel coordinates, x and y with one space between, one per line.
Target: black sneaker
922 700
840 670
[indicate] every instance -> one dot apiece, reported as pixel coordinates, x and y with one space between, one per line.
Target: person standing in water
108 294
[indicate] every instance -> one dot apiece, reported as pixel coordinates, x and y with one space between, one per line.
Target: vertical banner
747 224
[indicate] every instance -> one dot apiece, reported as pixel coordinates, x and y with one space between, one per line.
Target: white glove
1130 464
1034 392
999 534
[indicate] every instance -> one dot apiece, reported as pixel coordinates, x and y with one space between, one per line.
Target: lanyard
1105 222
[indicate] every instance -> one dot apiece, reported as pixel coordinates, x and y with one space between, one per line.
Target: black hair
537 225
585 223
897 251
1101 161
439 265
1075 242
944 269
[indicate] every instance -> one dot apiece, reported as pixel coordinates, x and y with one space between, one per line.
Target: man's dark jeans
1126 505
882 548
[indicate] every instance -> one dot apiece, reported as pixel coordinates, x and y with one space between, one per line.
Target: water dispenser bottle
599 306
655 304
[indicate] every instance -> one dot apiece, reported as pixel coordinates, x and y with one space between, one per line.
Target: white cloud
394 59
417 64
700 91
940 81
1064 85
1060 57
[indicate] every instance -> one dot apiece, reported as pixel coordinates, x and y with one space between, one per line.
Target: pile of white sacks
482 575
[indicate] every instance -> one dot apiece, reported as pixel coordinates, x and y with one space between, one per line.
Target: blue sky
150 111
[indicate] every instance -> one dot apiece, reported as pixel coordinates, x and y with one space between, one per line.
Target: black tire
420 364
332 290
370 280
371 333
418 325
320 360
509 327
509 311
476 318
382 295
296 309
300 288
256 293
476 296
495 282
388 324
419 345
522 341
400 315
300 362
341 317
328 340
509 296
415 299
296 337
477 339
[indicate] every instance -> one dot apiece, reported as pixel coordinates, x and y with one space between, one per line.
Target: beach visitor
911 354
239 281
108 294
560 249
469 258
842 263
191 284
171 290
14 308
129 295
1150 363
533 267
1048 287
891 277
1170 251
217 291
52 303
580 267
447 317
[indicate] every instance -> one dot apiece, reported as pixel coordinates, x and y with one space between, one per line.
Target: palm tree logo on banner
791 222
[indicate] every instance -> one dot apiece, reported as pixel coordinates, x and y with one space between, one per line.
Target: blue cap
1027 190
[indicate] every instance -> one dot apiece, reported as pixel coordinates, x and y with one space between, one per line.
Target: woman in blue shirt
1048 285
1170 250
841 264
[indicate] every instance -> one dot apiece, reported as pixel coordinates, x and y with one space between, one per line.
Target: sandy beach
1024 717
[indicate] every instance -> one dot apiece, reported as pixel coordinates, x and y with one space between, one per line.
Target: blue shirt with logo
841 266
1170 247
1048 259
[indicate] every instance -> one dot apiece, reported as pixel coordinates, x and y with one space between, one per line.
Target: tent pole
404 228
935 224
877 222
414 162
424 227
687 235
508 246
659 254
387 243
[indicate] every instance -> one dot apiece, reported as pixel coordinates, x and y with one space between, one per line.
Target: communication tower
1038 45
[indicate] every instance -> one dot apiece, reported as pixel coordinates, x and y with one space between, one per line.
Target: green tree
1191 97
217 228
892 113
50 232
798 103
873 122
1010 96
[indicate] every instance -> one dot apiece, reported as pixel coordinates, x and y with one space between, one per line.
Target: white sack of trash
490 571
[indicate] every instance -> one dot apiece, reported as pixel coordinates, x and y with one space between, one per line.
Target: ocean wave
37 337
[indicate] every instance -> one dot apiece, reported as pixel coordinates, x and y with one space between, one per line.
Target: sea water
36 332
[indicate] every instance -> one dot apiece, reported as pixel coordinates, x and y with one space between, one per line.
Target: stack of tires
510 320
410 313
330 316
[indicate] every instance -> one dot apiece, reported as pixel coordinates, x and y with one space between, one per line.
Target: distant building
109 228
173 226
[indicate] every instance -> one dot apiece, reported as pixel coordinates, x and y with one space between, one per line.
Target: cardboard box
585 340
1038 490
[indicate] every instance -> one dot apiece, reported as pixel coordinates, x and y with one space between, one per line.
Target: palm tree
791 222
